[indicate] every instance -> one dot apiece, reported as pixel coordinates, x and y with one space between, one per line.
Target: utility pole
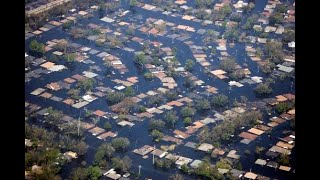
79 124
154 148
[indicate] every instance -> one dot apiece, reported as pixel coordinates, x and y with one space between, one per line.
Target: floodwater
138 134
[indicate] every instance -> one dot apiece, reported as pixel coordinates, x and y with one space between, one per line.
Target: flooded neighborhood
160 89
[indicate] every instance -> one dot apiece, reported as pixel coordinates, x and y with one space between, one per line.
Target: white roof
292 44
119 87
106 19
89 74
57 68
88 98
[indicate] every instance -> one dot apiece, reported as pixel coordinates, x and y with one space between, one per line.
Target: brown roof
144 29
273 124
153 31
191 130
133 79
69 80
107 134
285 168
172 139
198 124
85 125
160 74
277 120
78 77
284 145
262 127
174 103
47 65
96 131
287 139
286 116
248 136
256 131
250 175
292 112
99 113
281 98
181 134
141 96
218 152
46 95
145 114
289 96
68 101
53 86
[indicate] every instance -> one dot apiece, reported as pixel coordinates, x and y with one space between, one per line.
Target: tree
263 89
86 84
156 135
268 67
133 3
276 18
74 94
148 75
120 143
123 164
281 8
283 107
202 104
103 150
61 45
171 95
203 134
176 177
243 99
187 111
249 7
189 83
187 121
189 65
79 174
53 115
206 170
259 149
155 124
129 91
220 100
284 159
69 57
232 34
80 147
77 33
95 120
223 164
107 126
170 117
235 17
199 3
163 163
224 11
228 64
130 30
93 172
114 97
36 47
140 59
186 169
289 36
